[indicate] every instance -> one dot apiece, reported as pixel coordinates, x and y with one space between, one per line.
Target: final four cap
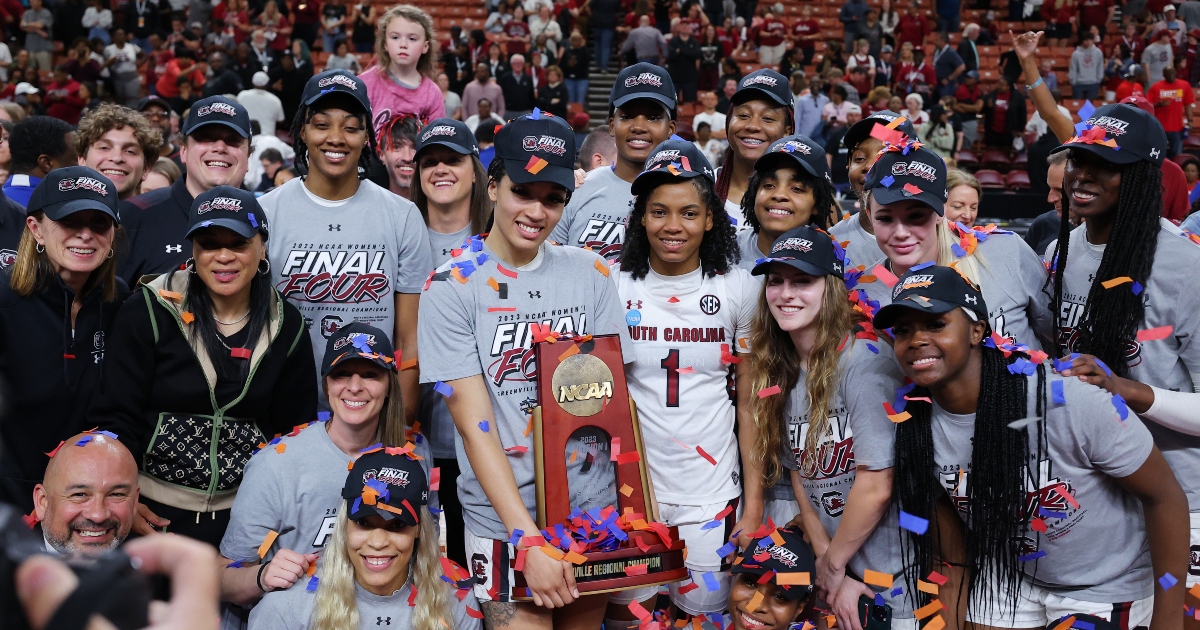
217 110
806 248
452 134
931 289
538 148
357 340
673 159
861 130
795 150
1121 134
764 82
909 173
391 486
767 555
72 189
643 80
230 208
336 81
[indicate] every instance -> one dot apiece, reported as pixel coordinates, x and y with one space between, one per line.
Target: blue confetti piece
443 389
312 583
476 244
921 266
1137 288
676 136
482 258
84 440
711 525
879 599
710 581
372 447
1122 408
726 549
872 348
204 224
1080 128
515 539
896 592
1167 581
253 221
1102 366
958 250
357 504
914 524
537 114
435 510
323 416
888 181
484 425
1050 513
108 434
1056 391
1084 625
1085 112
1033 556
236 564
733 221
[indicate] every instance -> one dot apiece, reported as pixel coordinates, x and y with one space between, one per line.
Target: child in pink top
400 82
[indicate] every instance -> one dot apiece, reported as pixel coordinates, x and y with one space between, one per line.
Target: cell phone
874 616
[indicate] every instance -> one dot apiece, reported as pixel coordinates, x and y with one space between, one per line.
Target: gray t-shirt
1172 363
597 214
860 436
748 245
292 609
344 261
436 422
33 41
1087 449
1012 278
863 248
470 328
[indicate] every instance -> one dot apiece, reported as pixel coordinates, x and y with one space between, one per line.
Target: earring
268 268
110 253
39 248
190 265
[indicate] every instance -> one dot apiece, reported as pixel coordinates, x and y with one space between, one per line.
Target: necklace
234 321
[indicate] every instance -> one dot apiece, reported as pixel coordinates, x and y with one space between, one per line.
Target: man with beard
119 143
88 497
397 149
157 110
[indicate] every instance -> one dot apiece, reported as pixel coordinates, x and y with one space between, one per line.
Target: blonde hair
336 608
968 265
32 268
416 16
392 429
956 178
775 361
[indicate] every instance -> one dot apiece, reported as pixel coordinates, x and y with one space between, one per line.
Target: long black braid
824 197
718 250
1108 326
366 160
997 502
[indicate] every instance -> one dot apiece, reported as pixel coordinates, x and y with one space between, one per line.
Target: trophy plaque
590 473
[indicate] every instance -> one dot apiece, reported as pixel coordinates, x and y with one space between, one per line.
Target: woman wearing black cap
57 304
291 486
1056 465
679 273
758 601
480 314
382 566
205 364
1126 273
760 112
826 429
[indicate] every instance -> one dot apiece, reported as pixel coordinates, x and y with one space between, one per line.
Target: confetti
1167 581
927 587
435 478
601 267
726 549
266 543
1033 556
536 164
279 448
928 610
312 583
1065 624
769 391
637 569
1056 390
877 579
1022 423
170 295
913 524
706 456
484 425
710 582
639 611
937 623
517 449
1108 284
1122 408
187 317
893 416
793 579
474 614
240 353
885 276
937 578
502 309
1154 334
912 189
573 349
443 389
626 490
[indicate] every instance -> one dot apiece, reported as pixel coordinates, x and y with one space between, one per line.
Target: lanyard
140 6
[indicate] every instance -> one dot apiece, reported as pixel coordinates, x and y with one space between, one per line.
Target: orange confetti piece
266 543
457 275
408 365
793 579
187 317
875 578
937 623
312 568
1108 284
281 447
553 552
625 489
831 621
755 601
571 350
1195 591
777 538
929 610
492 283
170 295
602 268
574 456
575 558
1066 624
927 587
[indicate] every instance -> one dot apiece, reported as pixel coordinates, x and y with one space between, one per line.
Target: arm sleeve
257 508
414 259
446 330
869 378
1034 275
129 370
748 306
1118 451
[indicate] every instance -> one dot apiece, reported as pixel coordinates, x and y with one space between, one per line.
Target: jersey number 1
671 365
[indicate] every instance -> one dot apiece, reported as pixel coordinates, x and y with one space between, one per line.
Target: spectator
262 143
941 136
364 16
888 20
263 57
450 99
276 28
183 65
604 23
714 118
87 499
947 65
552 97
806 32
158 111
1134 83
770 40
598 149
1098 13
967 49
859 83
949 14
1191 171
80 64
1049 76
837 156
1058 15
122 59
809 106
884 67
683 62
871 30
1037 125
575 60
712 148
483 87
1086 70
118 143
1133 41
333 24
862 58
306 18
1004 110
962 201
458 68
711 53
39 144
98 19
834 77
545 24
401 81
728 89
1173 101
516 36
6 127
343 59
836 109
37 22
161 175
262 106
1175 27
271 161
1157 56
62 97
517 86
969 103
222 80
646 42
851 15
1189 12
397 150
188 95
485 135
915 113
497 20
912 27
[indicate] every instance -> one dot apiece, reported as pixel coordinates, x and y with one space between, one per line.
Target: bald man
88 498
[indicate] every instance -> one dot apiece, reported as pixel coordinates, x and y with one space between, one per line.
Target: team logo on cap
645 78
84 183
795 146
783 555
547 144
915 169
220 203
671 155
799 244
1114 126
217 108
440 130
339 79
912 282
764 79
390 476
349 339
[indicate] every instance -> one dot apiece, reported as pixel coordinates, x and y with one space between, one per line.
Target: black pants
206 527
452 512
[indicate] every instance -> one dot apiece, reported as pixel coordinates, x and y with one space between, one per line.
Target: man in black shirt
157 110
223 80
215 152
683 59
517 86
836 153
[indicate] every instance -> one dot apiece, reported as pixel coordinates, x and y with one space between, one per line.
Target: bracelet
258 580
1029 88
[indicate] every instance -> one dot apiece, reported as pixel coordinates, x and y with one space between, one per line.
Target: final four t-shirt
596 216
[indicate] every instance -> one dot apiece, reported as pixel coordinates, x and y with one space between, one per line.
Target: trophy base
604 571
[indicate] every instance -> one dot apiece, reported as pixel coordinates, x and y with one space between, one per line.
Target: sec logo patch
710 304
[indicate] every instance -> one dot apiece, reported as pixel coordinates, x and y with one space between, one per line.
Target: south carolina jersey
685 331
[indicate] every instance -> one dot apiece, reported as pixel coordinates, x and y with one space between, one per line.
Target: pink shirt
389 99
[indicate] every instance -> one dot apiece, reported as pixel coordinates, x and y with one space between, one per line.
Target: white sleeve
1176 410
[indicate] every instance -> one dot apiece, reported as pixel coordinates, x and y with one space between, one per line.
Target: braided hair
718 250
721 188
996 499
824 199
366 160
1110 320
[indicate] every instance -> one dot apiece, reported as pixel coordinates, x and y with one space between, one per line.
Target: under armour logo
174 249
446 252
535 294
971 299
630 304
335 228
383 621
1154 153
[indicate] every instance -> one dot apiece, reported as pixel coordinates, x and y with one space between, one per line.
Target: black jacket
681 60
518 91
49 375
546 94
155 224
969 55
224 82
12 225
140 25
164 400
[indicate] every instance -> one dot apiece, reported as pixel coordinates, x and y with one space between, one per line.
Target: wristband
1029 88
258 580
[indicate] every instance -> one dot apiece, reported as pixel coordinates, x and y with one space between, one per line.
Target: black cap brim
753 93
897 193
351 355
1107 154
241 228
241 132
793 592
457 148
59 211
560 175
801 265
668 102
771 161
362 102
367 511
647 182
888 315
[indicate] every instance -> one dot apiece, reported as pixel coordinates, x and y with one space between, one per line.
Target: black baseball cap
227 207
793 555
392 486
1121 134
932 289
538 148
334 82
764 83
452 134
643 80
65 191
909 171
673 159
861 130
358 340
217 110
795 150
153 99
809 249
